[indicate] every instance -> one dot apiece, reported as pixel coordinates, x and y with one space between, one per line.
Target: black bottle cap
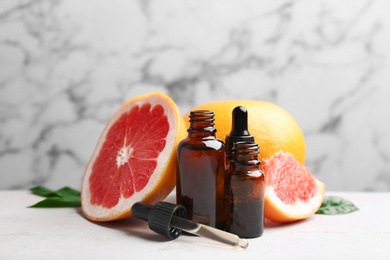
239 132
159 217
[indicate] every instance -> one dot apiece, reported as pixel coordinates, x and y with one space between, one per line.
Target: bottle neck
244 167
201 123
245 156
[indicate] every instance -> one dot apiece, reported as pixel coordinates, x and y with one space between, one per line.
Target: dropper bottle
239 132
245 186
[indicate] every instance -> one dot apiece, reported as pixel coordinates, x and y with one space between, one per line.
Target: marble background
67 65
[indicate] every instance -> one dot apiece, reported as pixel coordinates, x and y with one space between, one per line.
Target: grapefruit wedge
292 192
134 159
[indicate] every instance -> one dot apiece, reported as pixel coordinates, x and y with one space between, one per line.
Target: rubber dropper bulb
239 122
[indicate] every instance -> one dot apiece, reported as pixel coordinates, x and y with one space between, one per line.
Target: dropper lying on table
168 219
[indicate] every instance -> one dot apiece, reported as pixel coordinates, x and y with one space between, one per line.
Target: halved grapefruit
135 158
292 192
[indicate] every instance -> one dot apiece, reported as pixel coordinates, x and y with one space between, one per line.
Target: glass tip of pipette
243 243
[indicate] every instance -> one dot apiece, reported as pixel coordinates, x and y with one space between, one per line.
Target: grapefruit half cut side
292 192
134 159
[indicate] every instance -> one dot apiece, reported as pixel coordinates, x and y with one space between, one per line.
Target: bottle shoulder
248 172
206 142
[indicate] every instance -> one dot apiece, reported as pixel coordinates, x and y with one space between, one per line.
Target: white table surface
63 233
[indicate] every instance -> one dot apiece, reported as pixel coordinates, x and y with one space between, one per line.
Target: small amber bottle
245 192
201 171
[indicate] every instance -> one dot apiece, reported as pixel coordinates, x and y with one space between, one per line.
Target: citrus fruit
273 127
292 192
135 158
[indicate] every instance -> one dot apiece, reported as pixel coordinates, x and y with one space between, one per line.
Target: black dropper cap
159 217
239 132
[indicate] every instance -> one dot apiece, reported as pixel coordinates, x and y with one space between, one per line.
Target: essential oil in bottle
201 171
245 192
239 132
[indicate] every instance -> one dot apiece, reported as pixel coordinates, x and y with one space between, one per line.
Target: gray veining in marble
66 66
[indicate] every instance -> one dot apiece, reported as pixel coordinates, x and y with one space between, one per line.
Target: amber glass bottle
245 192
201 171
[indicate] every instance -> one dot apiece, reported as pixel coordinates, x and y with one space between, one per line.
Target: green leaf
41 191
57 202
66 191
63 192
333 205
64 197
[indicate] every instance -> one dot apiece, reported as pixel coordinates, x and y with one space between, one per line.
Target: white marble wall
67 65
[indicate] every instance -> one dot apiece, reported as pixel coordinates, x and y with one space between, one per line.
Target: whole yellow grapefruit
273 128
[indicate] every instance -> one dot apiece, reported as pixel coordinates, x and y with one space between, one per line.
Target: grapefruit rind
160 183
278 211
